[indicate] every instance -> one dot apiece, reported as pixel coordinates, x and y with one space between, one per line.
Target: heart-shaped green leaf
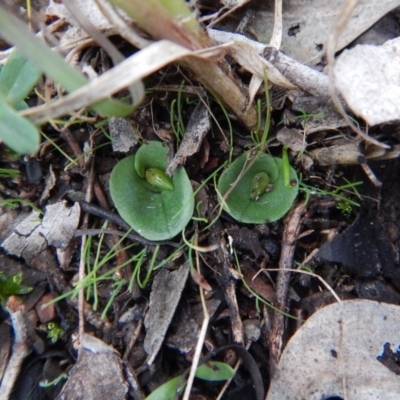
154 213
244 203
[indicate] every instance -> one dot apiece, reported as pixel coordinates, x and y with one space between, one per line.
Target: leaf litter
151 343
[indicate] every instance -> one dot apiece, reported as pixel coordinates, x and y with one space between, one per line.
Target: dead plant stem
202 334
82 264
289 239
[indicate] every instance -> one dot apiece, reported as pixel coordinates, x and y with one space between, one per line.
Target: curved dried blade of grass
120 25
136 90
248 54
276 39
49 62
322 280
202 334
134 68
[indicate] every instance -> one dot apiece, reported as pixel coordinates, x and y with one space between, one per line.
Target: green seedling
54 382
212 371
157 208
9 173
14 203
258 298
339 193
254 191
305 116
345 207
54 332
11 286
175 114
258 188
96 262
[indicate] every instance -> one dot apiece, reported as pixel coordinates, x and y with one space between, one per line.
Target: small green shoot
230 129
14 203
9 173
154 212
258 298
11 286
258 188
54 332
345 207
176 119
305 116
54 382
236 186
339 193
116 289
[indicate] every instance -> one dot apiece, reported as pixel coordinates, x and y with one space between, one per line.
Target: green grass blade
18 78
18 133
50 62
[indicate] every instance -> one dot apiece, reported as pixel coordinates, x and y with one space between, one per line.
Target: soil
148 332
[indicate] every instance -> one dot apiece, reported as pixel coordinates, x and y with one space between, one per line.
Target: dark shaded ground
360 262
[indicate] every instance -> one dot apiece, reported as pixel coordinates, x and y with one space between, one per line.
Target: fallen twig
25 340
289 239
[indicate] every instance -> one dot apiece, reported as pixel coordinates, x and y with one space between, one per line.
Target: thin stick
290 235
228 382
24 340
202 335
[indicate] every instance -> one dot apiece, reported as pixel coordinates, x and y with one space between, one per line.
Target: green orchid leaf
168 390
154 212
17 79
215 371
248 202
18 133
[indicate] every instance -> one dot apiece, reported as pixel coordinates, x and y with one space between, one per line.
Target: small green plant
257 194
9 173
154 205
345 207
10 286
211 371
344 203
305 116
54 382
97 271
14 203
258 188
176 118
54 332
